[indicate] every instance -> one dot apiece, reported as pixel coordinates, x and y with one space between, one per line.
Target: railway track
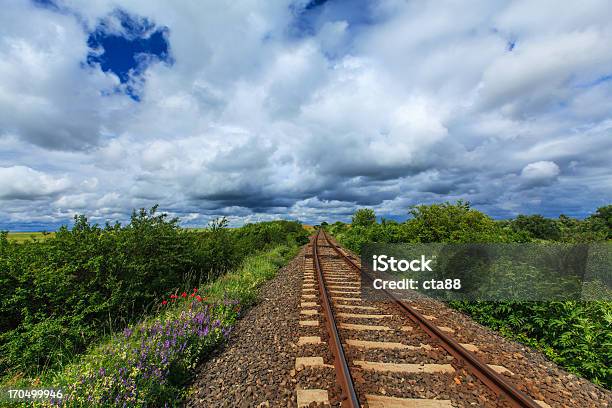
387 354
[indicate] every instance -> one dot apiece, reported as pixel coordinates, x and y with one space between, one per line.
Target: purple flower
203 332
199 318
127 332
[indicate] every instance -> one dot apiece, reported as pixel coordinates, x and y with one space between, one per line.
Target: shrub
59 295
573 334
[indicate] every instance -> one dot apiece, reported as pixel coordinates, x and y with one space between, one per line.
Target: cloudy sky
302 109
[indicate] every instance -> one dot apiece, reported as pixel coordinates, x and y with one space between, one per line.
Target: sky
308 110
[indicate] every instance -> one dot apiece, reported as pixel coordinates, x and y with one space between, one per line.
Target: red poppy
173 296
192 295
199 298
184 294
195 290
165 302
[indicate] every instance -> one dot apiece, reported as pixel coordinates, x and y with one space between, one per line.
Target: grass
149 363
242 283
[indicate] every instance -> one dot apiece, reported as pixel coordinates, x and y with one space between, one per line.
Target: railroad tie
385 345
346 298
364 316
356 307
500 369
309 340
307 397
343 292
307 362
380 401
469 347
404 367
446 329
349 326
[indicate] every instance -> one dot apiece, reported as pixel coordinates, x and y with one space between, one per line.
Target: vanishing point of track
336 274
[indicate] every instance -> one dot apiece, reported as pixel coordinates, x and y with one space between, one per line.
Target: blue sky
302 109
128 53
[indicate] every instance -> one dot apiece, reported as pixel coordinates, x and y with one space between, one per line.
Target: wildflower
199 318
199 298
184 294
127 332
195 290
165 302
226 331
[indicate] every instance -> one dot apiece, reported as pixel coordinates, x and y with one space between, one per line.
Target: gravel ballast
254 369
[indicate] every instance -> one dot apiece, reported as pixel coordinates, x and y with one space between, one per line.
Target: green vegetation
149 362
60 297
576 335
364 217
19 236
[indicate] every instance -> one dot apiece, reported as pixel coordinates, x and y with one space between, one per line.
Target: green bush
59 295
576 335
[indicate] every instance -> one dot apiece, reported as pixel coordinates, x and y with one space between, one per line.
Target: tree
364 217
602 220
448 222
538 226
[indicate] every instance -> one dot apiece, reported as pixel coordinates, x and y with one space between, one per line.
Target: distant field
24 236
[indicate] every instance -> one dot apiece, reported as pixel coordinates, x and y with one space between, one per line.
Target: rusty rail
343 375
490 378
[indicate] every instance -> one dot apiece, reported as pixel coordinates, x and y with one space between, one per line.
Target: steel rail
482 371
349 397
